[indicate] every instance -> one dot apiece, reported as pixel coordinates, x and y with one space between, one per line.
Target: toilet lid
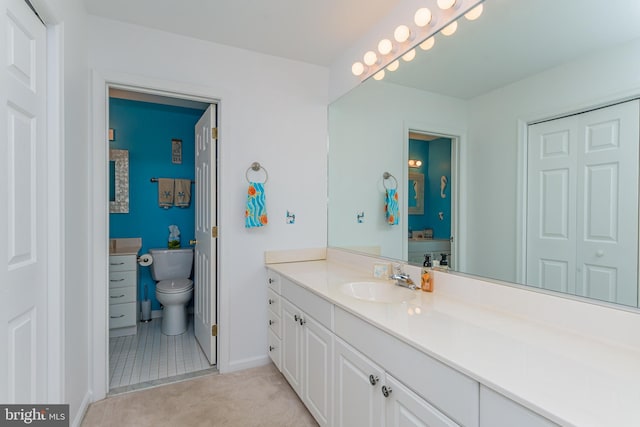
174 286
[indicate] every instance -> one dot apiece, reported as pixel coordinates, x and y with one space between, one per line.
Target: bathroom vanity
451 357
123 286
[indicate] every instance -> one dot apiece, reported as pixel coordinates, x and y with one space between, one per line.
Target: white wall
590 81
67 18
368 136
272 111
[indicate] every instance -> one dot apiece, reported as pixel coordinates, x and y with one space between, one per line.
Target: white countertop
125 246
568 378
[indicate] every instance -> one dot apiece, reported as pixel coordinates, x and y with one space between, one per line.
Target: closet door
607 220
551 205
582 202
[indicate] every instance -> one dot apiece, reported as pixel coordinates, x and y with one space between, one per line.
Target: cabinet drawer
499 411
122 295
451 392
122 262
274 349
274 302
273 279
121 315
275 324
315 306
120 279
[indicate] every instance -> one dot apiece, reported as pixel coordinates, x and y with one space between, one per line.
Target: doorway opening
431 195
159 136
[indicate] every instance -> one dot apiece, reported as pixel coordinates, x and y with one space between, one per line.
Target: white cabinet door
291 353
404 408
317 369
358 399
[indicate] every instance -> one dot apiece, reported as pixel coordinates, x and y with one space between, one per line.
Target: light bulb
393 66
423 17
402 33
450 29
385 46
370 58
379 75
446 4
357 68
409 55
428 43
474 13
418 163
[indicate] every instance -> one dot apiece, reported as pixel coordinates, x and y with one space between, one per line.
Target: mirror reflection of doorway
429 198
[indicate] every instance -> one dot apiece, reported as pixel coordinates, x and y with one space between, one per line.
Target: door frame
458 150
101 82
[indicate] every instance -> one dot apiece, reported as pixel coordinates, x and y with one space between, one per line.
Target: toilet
171 269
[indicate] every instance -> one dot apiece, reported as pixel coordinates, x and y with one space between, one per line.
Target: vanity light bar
427 22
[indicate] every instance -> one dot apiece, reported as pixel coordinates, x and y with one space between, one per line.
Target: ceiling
316 32
514 39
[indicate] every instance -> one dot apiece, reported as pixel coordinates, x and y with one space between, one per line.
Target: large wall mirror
539 102
118 181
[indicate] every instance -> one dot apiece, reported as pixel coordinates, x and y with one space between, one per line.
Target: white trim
84 405
99 220
250 362
458 176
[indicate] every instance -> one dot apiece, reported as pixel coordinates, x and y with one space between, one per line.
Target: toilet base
174 319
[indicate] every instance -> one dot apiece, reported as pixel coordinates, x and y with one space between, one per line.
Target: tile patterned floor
150 356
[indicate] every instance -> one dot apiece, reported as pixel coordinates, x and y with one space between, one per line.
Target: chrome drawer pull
116 263
271 301
119 296
373 379
116 280
386 391
117 317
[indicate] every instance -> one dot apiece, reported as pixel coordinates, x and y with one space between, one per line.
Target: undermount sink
377 291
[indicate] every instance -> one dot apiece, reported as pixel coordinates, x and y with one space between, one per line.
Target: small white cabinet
366 395
123 301
301 347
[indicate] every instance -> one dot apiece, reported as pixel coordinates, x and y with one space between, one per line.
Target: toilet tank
171 263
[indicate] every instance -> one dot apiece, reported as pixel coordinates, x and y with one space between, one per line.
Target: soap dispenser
426 276
443 260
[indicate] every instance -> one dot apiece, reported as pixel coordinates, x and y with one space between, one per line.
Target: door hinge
214 133
214 330
214 232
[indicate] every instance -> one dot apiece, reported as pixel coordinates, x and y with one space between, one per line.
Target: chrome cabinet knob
373 379
271 348
599 253
296 318
302 321
271 301
271 322
386 391
270 280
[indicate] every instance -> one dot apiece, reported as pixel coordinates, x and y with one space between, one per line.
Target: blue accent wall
146 130
436 162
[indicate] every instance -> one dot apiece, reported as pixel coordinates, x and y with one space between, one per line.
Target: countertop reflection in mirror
487 85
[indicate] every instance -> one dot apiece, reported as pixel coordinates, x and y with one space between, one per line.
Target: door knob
193 242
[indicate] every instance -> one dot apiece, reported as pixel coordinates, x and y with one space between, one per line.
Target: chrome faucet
402 279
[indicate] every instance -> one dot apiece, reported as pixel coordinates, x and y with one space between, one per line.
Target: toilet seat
174 286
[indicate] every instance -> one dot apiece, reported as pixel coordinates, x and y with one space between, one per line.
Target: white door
583 204
23 255
291 346
317 370
358 382
404 408
205 274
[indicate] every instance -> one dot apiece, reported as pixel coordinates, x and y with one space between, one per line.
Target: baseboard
243 364
82 410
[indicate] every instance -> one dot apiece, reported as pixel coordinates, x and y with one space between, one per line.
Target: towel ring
255 166
386 176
